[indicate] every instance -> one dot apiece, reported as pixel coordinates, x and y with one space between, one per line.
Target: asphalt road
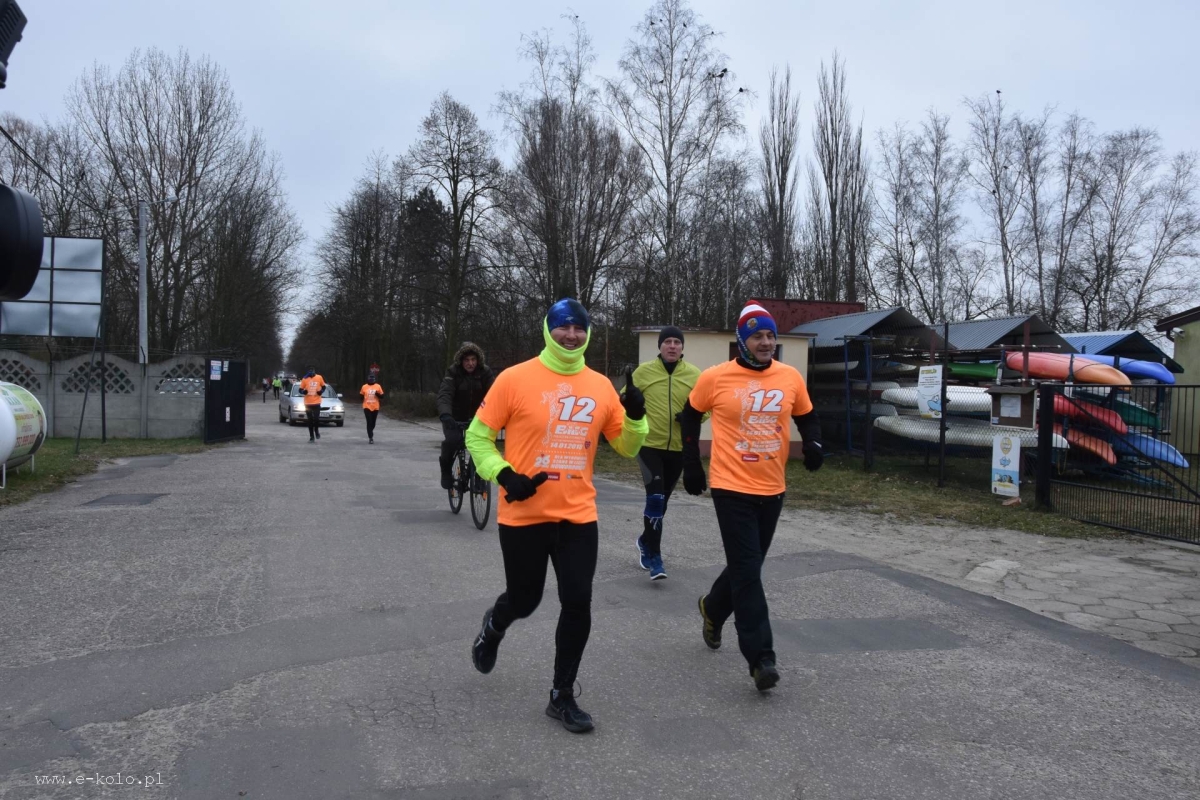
274 619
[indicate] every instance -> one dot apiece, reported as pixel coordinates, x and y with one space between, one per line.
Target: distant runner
311 387
371 392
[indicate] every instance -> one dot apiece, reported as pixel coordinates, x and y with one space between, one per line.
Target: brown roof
1175 320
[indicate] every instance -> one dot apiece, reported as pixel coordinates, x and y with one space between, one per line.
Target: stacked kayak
959 399
960 431
1135 369
1062 367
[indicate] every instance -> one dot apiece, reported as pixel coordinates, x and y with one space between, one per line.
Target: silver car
291 407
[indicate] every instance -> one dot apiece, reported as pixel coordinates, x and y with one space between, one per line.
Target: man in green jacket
665 382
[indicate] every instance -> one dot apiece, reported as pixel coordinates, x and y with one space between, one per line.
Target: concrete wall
708 348
1185 414
174 404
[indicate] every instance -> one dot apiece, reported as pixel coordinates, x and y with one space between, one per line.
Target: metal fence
1132 456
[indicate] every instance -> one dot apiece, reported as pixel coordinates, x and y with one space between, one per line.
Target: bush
410 404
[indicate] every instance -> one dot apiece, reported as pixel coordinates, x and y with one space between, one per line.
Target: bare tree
1140 233
839 197
455 155
575 182
163 127
896 229
778 139
1000 180
676 100
939 169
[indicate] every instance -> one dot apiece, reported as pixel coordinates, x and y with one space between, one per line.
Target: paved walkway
274 619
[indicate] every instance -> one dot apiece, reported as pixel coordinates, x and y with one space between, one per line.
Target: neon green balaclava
560 359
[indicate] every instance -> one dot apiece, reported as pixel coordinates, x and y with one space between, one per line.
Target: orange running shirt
552 423
312 388
751 422
371 393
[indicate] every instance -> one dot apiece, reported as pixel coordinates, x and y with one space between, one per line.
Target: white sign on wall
929 392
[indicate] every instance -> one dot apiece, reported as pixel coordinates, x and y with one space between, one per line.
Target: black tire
282 418
454 493
481 500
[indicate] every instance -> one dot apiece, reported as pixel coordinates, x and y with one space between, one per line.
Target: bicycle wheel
481 498
455 492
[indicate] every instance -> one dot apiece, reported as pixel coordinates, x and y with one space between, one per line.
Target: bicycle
467 481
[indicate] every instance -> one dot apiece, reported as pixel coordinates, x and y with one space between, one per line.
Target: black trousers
747 524
276 389
660 472
450 444
371 415
314 419
572 549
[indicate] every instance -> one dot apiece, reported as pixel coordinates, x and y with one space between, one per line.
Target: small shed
1125 344
1009 332
1183 329
897 324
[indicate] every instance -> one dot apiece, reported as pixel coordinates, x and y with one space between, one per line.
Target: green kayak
1132 413
975 372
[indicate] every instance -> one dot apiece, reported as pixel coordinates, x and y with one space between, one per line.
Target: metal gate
1131 459
224 400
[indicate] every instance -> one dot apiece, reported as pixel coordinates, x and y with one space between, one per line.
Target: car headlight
298 406
339 408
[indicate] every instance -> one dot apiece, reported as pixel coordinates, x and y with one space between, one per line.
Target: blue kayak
1136 369
1139 444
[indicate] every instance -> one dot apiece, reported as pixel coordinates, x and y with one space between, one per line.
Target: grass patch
57 463
903 488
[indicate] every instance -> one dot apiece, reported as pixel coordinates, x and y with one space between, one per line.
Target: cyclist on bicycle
466 383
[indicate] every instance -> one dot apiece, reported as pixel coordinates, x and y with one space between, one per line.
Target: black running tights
572 549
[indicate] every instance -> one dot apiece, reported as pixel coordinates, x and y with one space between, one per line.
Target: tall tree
677 101
995 150
837 186
778 138
456 156
573 187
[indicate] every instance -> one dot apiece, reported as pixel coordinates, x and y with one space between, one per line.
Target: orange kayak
1084 411
1058 366
1085 441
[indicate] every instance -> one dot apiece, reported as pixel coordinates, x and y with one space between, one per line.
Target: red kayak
1059 366
1084 411
1085 441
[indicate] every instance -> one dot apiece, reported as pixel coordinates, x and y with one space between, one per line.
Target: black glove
446 419
814 457
633 399
519 487
693 478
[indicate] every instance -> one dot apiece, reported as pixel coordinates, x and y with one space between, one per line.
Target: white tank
22 425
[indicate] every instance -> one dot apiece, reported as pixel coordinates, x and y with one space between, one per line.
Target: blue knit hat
567 311
754 318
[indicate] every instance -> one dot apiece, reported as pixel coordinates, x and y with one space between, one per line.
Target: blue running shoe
643 556
657 573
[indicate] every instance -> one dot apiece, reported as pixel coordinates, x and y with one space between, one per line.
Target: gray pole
143 316
143 321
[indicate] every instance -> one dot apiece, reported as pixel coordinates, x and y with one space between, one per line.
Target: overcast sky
330 83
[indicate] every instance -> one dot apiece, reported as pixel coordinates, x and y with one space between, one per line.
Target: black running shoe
564 709
765 675
483 651
712 633
447 481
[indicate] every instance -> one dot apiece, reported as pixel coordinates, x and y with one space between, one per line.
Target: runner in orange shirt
553 410
751 399
371 391
311 386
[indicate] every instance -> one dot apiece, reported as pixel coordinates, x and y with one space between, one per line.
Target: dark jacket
460 393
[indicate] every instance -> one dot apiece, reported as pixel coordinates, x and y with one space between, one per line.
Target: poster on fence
1006 465
929 392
